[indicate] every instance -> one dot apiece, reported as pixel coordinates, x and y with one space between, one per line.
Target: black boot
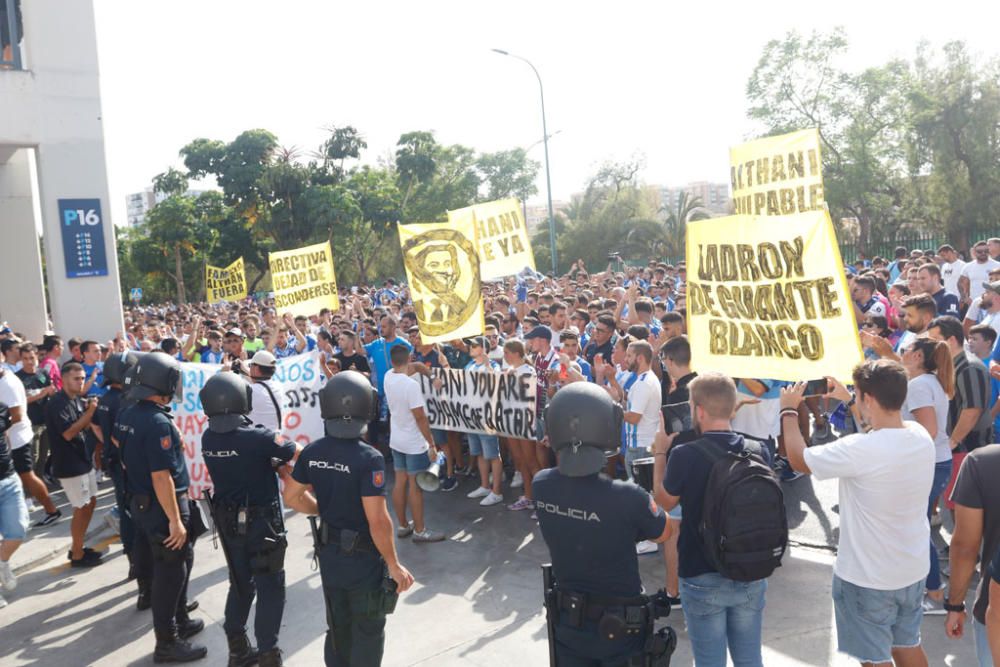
241 652
270 658
189 627
169 648
145 599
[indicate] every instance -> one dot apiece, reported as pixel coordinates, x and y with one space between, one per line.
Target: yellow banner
303 280
228 284
442 269
501 237
767 298
779 175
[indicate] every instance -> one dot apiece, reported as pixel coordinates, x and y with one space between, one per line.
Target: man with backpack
731 498
885 479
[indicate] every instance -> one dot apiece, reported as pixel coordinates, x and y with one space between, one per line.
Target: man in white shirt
951 269
20 435
974 274
268 396
642 413
885 479
411 443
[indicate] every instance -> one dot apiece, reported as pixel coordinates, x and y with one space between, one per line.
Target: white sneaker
7 578
646 547
479 492
516 481
491 499
3 603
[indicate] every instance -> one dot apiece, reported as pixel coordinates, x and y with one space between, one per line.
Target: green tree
507 174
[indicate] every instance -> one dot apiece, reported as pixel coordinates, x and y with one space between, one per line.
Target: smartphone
816 388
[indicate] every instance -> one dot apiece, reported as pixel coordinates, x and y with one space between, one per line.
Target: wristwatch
959 608
854 399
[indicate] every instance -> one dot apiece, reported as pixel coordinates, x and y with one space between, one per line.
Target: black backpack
743 524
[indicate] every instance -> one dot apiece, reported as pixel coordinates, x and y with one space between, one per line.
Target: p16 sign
82 227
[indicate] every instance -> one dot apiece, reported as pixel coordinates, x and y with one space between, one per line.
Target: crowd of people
911 443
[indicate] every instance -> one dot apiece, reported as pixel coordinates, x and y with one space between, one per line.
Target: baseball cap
234 332
993 286
476 340
541 331
264 359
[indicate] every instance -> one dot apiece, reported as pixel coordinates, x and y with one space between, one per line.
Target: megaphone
430 480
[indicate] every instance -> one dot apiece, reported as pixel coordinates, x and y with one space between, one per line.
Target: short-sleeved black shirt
150 442
240 464
357 362
69 457
591 525
341 472
34 382
687 476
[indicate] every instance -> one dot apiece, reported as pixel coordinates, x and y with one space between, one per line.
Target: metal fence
913 241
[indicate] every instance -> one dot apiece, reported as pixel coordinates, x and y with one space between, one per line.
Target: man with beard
918 311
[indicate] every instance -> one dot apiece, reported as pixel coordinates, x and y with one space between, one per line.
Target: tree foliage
907 145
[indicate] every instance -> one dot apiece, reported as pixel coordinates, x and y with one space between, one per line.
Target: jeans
634 454
721 612
982 644
942 473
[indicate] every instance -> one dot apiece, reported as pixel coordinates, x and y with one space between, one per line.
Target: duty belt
575 608
347 540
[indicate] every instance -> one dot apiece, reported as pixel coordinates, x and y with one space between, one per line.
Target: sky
662 80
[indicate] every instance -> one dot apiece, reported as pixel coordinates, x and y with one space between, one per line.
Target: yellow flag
501 237
442 268
767 298
228 284
779 175
303 280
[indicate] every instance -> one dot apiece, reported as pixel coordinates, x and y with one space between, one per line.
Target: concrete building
52 161
714 196
537 215
138 204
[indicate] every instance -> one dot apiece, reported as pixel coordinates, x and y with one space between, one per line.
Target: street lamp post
545 142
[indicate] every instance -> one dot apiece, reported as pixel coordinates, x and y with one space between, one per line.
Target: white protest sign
481 402
299 377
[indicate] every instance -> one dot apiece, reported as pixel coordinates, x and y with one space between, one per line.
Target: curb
55 552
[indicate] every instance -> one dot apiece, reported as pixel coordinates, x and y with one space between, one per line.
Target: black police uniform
108 407
249 520
341 473
149 442
591 525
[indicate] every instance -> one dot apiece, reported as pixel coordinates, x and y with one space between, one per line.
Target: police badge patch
378 478
165 442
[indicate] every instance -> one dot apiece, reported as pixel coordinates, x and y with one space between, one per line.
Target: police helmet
226 399
156 374
117 365
347 403
583 423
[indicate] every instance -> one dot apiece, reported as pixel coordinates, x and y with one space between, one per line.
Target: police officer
108 407
342 479
157 481
591 524
247 515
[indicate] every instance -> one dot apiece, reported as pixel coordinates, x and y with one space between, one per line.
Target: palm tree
688 209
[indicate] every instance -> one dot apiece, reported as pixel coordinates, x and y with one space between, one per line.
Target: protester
885 477
13 509
486 448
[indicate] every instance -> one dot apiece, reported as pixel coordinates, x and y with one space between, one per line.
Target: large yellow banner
767 298
442 269
501 237
303 280
226 284
779 175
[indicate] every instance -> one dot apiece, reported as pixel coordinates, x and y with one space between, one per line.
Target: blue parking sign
82 227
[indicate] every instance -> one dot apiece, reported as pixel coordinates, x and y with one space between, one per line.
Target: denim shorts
870 622
487 446
410 463
13 509
440 437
